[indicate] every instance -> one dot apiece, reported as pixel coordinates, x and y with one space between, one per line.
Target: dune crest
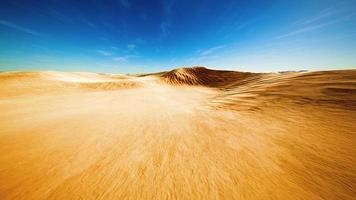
204 77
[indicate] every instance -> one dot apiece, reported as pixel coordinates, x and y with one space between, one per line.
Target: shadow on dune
205 77
329 88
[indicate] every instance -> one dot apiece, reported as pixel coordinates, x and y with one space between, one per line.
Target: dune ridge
204 76
190 133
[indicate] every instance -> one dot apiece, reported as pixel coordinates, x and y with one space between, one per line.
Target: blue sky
130 36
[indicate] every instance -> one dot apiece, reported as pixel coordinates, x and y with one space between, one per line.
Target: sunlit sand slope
191 133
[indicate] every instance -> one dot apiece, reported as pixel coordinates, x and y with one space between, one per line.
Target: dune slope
190 133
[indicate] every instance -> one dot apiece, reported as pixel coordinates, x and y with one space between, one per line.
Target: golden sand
189 133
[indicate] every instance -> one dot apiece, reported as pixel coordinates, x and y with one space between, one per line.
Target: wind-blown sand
189 133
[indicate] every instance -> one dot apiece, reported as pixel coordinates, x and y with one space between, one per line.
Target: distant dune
189 133
205 77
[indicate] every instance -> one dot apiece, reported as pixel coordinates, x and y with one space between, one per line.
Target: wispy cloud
131 46
19 28
247 23
139 41
89 23
322 15
60 16
210 50
166 22
197 60
165 28
119 55
124 58
120 59
125 3
313 27
105 53
205 55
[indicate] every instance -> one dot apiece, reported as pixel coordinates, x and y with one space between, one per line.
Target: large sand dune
190 133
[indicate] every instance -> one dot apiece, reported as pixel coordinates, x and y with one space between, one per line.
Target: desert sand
190 133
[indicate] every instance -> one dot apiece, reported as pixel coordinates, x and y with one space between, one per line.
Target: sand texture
190 133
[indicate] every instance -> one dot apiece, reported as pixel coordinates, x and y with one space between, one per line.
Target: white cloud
120 59
165 25
317 26
166 22
60 16
89 23
210 50
322 15
139 41
131 46
19 28
105 53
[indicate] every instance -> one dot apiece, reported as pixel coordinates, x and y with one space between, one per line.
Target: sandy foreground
185 134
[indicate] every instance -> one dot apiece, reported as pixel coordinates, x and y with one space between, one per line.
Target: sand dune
190 133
